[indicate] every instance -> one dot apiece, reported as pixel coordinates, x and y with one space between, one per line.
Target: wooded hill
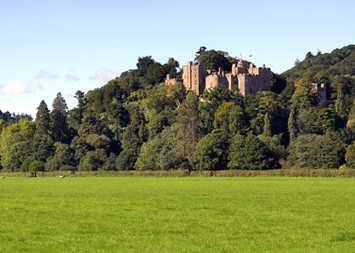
340 61
135 123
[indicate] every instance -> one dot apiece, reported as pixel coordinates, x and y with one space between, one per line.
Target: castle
321 89
250 80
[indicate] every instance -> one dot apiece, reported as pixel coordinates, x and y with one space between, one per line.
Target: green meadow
203 214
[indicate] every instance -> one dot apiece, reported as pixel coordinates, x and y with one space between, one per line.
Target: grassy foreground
142 214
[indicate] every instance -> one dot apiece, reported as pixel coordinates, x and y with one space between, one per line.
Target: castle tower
240 67
194 77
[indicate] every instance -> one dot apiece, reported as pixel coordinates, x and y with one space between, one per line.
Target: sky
63 46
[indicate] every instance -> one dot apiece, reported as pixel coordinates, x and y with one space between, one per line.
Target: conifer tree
341 108
76 115
267 125
189 132
43 119
90 124
292 125
59 124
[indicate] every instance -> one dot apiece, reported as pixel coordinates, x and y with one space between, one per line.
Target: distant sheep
61 176
2 177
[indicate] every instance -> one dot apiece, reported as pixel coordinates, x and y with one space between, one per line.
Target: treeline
135 123
339 61
13 118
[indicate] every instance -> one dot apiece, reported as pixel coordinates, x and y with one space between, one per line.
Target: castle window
195 82
195 75
195 69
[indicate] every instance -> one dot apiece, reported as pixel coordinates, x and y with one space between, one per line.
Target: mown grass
145 214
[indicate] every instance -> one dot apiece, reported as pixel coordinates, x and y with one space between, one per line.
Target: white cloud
46 75
16 88
72 78
104 75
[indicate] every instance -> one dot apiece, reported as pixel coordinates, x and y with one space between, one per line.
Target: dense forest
134 122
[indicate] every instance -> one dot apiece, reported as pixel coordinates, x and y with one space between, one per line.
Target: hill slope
341 61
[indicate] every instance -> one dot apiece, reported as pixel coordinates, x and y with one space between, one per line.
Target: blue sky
63 46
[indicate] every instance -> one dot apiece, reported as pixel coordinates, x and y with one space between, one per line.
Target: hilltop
340 61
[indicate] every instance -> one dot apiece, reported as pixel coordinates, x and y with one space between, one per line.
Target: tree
36 166
90 124
76 114
16 117
170 159
278 83
249 153
157 124
309 55
42 147
158 103
63 158
351 118
7 117
315 151
286 95
211 151
305 96
126 159
341 109
267 125
93 160
350 156
15 142
132 140
59 124
237 96
274 144
231 118
321 121
110 163
276 115
119 116
297 61
303 99
191 97
26 163
213 59
326 153
189 132
177 93
143 64
43 119
213 98
98 141
150 153
80 148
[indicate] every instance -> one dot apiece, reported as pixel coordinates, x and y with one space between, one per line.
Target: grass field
141 214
